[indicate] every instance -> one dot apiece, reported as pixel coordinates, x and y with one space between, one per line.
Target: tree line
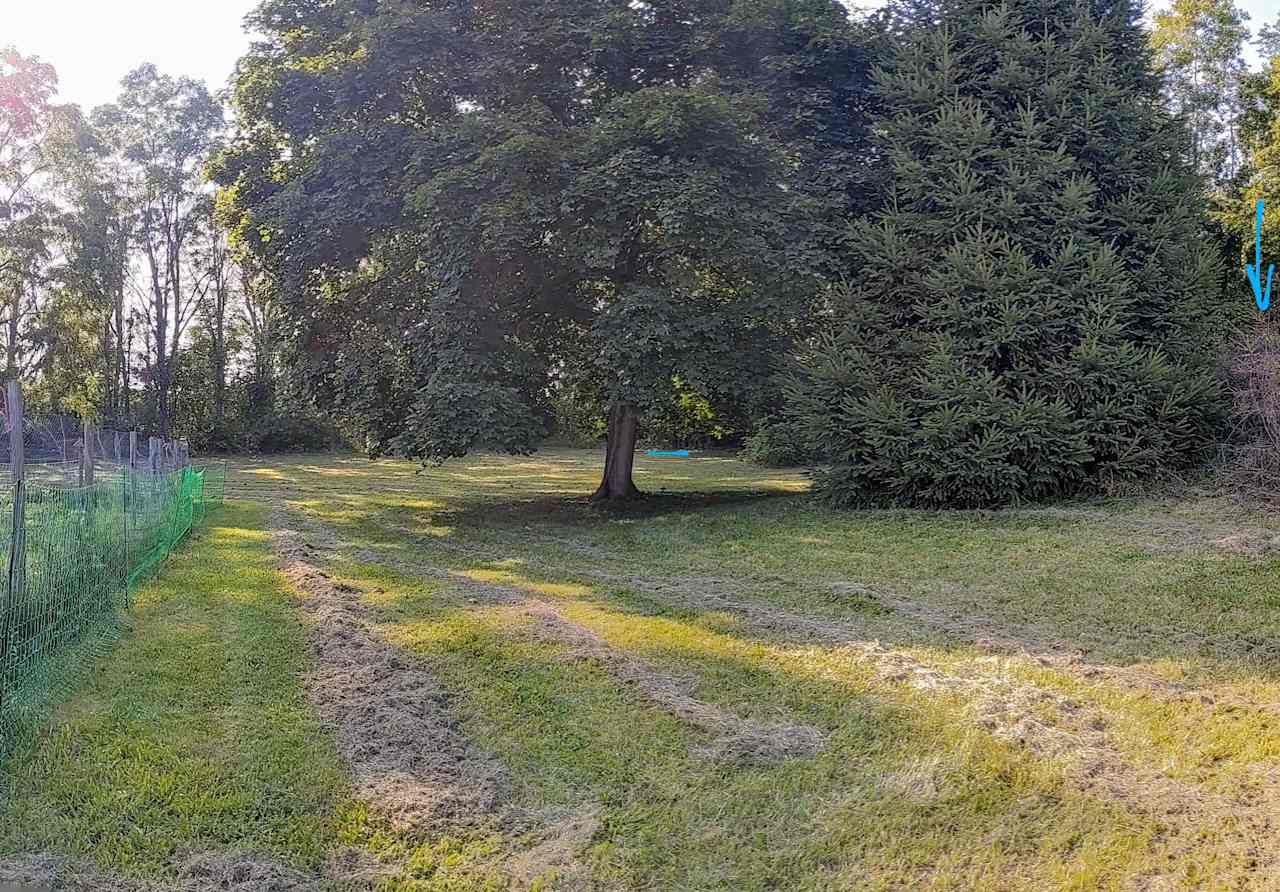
121 298
952 252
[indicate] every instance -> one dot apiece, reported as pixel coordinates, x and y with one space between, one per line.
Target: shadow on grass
1058 581
950 625
581 511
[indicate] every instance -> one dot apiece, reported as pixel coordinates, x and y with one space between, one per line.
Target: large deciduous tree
458 204
1037 309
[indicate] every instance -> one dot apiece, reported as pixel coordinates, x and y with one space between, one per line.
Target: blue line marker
1254 271
678 453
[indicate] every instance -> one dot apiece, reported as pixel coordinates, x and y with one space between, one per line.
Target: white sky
94 43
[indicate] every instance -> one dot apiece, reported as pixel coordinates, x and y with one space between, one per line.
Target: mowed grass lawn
726 686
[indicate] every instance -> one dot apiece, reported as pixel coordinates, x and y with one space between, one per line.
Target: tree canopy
467 205
955 252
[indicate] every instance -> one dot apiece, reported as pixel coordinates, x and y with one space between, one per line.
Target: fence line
75 540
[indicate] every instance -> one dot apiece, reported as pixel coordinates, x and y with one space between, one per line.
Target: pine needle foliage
1032 312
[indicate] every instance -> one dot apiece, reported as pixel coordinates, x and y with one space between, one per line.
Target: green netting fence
69 569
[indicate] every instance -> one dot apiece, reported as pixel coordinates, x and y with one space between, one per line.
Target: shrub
290 432
1254 370
774 445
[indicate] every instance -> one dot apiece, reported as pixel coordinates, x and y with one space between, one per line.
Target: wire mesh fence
77 535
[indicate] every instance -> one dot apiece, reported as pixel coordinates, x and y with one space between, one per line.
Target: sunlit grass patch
193 733
516 580
267 473
193 736
572 735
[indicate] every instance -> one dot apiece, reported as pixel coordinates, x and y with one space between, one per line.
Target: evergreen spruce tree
1032 311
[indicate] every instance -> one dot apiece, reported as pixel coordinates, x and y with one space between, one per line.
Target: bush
1254 369
774 445
290 432
688 420
577 416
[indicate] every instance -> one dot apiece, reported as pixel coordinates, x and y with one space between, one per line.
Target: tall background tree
163 129
1199 47
218 294
97 229
1267 40
27 231
458 207
120 298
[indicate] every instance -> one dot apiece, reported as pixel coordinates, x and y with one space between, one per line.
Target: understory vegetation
725 686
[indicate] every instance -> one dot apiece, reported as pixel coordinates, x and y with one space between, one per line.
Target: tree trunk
219 380
11 372
619 454
161 378
121 364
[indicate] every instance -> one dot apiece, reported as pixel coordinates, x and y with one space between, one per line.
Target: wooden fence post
153 455
133 449
87 459
17 570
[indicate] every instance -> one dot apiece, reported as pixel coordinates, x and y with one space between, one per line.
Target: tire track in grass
1026 641
738 740
1034 641
1045 723
1042 722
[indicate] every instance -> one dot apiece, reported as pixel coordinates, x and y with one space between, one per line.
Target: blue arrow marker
1254 271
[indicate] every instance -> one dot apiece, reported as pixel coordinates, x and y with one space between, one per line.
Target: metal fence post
126 483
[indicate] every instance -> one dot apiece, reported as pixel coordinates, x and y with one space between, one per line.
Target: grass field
469 678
